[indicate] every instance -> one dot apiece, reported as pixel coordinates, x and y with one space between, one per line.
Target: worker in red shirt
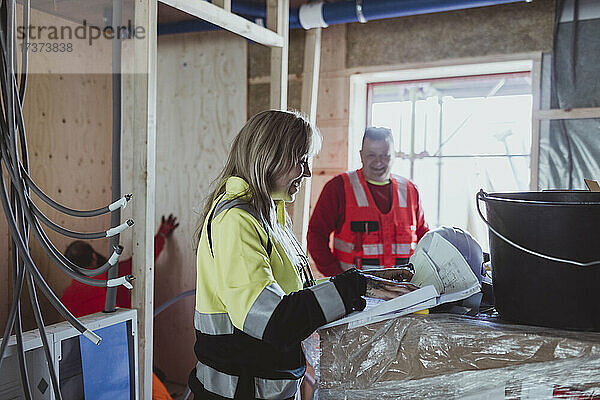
376 216
82 299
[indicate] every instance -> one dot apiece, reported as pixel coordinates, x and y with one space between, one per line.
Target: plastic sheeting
447 356
569 145
570 149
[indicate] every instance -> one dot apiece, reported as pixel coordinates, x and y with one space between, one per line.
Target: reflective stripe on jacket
394 240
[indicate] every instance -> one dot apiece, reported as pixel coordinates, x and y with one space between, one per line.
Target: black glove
351 285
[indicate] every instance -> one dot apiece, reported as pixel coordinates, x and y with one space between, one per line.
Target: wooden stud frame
144 161
568 113
310 89
547 115
534 160
278 12
144 140
231 22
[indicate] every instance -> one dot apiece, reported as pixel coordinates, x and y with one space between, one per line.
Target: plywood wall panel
200 108
334 153
333 48
333 99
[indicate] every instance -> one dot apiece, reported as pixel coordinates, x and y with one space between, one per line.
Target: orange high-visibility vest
396 238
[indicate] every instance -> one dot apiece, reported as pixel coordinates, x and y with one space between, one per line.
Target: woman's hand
386 289
400 274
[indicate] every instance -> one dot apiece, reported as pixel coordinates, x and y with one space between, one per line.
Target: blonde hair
270 144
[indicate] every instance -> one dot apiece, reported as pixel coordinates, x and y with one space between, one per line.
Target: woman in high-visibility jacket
255 299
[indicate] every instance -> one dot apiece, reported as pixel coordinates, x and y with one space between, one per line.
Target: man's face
377 157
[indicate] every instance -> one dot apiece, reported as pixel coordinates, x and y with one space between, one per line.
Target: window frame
360 107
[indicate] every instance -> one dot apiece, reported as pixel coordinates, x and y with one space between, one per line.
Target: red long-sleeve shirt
329 214
82 299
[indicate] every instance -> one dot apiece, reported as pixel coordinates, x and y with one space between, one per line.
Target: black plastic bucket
534 290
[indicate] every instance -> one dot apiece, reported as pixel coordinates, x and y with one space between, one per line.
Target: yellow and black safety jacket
251 309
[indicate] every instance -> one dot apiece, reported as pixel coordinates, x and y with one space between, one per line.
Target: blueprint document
442 266
379 310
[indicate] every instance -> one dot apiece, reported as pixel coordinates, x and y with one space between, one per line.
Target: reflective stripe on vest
403 248
261 310
225 385
346 266
329 300
359 192
341 245
213 324
373 249
369 267
402 191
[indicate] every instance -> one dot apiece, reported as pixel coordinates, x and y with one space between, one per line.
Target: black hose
42 239
49 247
18 266
53 253
41 327
64 262
115 216
17 289
24 52
18 285
57 206
66 232
21 354
33 207
20 191
29 182
31 265
19 269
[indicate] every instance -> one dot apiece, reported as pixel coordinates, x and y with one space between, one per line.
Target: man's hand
385 289
399 274
167 226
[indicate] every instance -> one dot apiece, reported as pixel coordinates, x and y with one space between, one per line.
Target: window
457 135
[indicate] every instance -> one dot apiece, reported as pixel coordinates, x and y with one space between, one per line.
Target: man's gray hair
378 133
